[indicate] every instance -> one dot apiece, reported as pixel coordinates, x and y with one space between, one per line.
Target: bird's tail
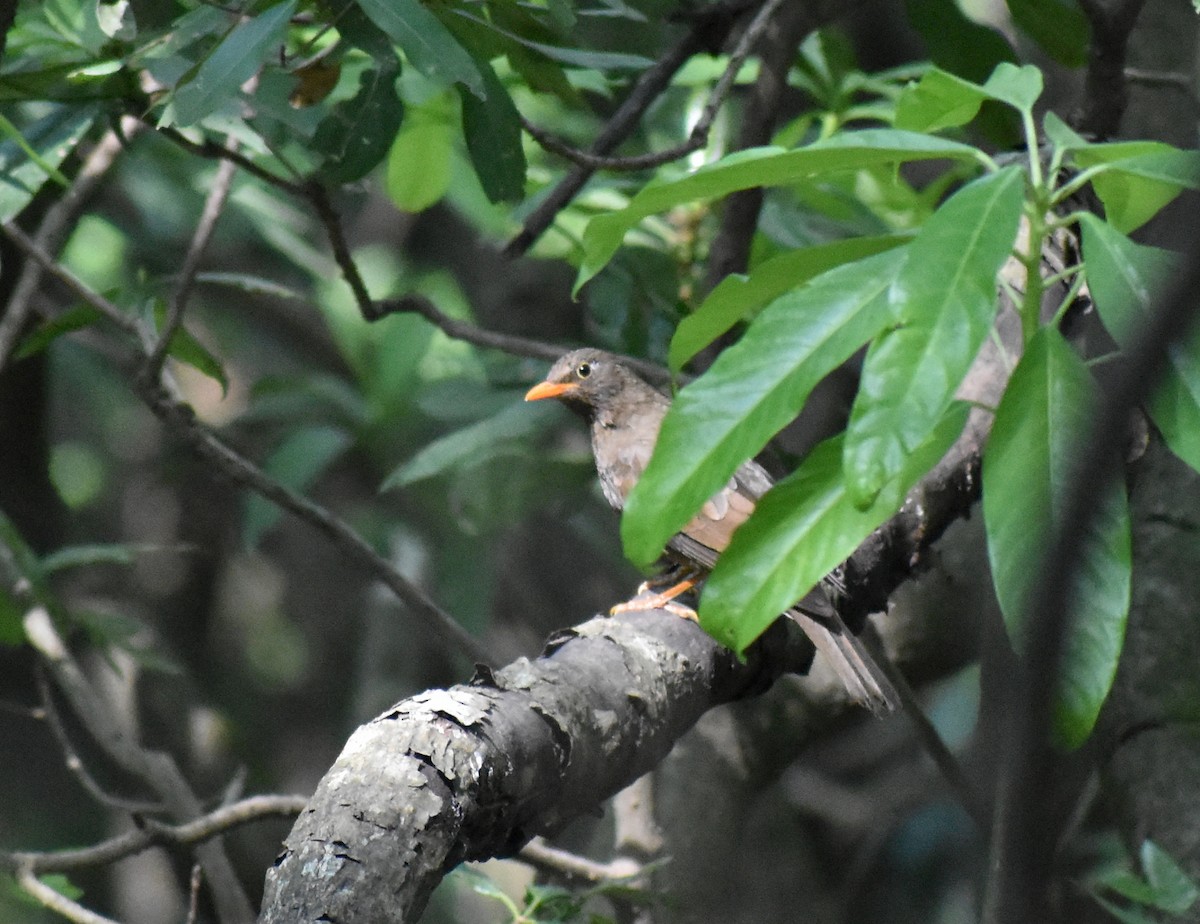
861 674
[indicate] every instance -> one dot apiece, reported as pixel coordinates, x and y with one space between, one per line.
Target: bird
625 414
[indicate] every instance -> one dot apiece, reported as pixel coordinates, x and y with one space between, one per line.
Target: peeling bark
476 770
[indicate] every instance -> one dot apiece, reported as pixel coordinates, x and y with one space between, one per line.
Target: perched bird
625 414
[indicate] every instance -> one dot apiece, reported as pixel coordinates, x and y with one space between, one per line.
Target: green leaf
1044 414
429 45
82 556
1059 28
492 128
943 302
801 530
738 296
1134 189
762 167
471 445
942 100
235 59
72 319
576 57
358 132
1165 885
754 388
418 166
1125 280
31 155
300 458
1174 890
185 348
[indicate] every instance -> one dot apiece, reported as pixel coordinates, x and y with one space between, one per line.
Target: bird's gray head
589 381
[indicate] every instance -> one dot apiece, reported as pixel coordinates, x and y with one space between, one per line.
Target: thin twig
214 204
507 343
317 195
47 262
54 229
197 879
709 29
152 833
213 151
182 420
697 138
554 860
246 473
76 765
154 769
56 901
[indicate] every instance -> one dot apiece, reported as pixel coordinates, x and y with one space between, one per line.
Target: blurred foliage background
237 637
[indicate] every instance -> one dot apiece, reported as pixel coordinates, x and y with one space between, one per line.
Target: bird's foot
648 598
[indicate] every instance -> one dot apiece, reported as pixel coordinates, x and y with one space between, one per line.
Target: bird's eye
583 370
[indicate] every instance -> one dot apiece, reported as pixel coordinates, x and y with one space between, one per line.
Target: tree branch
709 30
53 231
697 138
1106 93
154 769
180 417
475 771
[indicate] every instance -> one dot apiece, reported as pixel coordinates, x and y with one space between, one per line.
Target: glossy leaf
943 303
1125 279
761 167
942 100
471 445
492 128
428 44
235 59
1045 413
739 295
1059 28
297 463
753 389
358 132
72 319
418 166
1135 189
31 155
185 348
575 57
801 530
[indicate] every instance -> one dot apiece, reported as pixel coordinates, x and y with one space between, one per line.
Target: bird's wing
708 533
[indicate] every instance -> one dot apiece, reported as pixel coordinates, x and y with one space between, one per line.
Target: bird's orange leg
676 582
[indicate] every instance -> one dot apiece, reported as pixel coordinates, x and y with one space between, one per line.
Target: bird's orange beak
549 390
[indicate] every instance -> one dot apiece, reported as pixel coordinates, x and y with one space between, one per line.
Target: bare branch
507 343
213 151
79 288
698 137
563 863
154 769
214 204
240 469
180 418
708 30
57 902
153 834
76 765
317 195
53 231
1105 92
